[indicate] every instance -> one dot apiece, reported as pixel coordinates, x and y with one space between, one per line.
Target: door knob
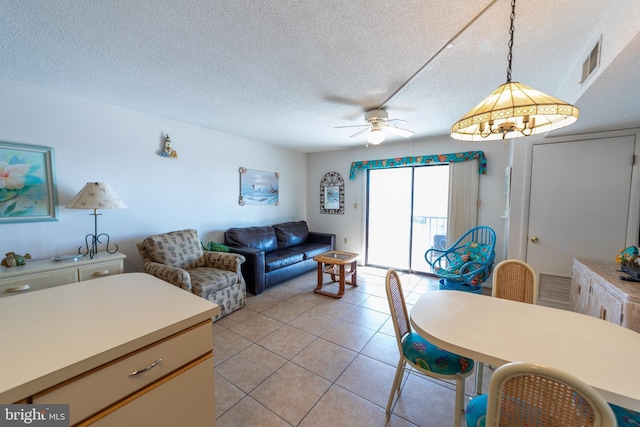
534 239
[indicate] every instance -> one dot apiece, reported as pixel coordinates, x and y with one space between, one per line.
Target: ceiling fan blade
359 132
398 131
396 120
351 126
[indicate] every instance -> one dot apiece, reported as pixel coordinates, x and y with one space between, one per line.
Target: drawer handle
101 273
134 373
20 288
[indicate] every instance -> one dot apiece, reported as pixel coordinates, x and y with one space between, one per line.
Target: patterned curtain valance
420 160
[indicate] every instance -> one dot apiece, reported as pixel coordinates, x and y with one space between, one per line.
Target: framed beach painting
27 183
258 187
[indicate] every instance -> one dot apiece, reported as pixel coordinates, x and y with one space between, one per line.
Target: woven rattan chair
420 354
529 394
514 280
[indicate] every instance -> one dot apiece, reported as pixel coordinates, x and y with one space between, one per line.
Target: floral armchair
468 262
177 257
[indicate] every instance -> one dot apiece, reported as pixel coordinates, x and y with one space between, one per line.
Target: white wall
93 141
352 225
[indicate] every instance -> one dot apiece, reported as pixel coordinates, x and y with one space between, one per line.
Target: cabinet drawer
186 398
34 282
100 270
89 393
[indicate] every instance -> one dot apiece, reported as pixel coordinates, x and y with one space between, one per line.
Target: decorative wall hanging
420 160
168 151
27 184
258 187
332 194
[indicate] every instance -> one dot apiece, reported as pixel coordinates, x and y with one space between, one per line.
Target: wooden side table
335 263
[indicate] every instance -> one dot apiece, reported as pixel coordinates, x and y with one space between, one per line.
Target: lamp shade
96 195
511 108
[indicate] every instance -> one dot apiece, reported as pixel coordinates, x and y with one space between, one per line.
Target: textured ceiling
288 71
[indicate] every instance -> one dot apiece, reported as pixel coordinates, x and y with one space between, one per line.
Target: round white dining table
498 331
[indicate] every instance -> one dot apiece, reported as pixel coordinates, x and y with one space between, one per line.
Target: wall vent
554 291
590 65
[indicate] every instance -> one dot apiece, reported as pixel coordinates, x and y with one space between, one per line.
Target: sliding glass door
406 215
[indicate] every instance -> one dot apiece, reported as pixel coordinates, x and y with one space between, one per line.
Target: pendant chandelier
514 110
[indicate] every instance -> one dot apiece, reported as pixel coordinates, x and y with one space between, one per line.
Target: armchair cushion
180 249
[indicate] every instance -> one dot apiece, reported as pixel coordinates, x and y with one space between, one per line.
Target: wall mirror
332 194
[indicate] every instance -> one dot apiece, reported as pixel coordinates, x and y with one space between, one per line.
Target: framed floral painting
27 183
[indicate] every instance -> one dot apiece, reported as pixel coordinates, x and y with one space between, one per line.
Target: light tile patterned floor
295 358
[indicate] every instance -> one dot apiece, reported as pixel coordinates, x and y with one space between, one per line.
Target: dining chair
419 353
530 394
514 280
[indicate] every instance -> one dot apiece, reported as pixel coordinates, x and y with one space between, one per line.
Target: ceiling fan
378 123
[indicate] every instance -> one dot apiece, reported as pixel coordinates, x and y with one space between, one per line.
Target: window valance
420 160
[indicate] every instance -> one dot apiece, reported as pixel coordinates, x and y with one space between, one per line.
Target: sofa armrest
253 269
174 275
324 238
224 260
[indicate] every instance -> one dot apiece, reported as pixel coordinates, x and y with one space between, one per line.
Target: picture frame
258 187
28 193
332 194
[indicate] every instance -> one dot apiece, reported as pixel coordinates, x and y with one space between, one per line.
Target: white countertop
52 335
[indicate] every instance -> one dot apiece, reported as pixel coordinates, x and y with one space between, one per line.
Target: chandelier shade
514 110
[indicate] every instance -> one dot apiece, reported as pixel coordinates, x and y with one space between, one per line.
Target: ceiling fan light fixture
376 136
514 110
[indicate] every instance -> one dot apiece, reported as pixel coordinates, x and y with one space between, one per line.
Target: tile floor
295 358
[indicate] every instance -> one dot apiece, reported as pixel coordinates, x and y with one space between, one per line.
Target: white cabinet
42 274
598 291
126 350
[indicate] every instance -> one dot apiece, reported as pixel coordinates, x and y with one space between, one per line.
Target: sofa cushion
180 249
312 249
263 238
291 233
282 258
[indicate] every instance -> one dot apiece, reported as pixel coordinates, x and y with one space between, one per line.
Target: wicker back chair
529 394
515 280
420 354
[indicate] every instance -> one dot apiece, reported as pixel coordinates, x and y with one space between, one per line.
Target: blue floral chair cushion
475 256
432 358
475 413
625 417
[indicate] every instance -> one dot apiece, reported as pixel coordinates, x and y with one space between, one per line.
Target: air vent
554 291
590 65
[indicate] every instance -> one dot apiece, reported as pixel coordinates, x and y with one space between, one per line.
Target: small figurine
628 256
168 151
13 259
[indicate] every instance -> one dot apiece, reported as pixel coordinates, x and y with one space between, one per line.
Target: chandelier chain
511 31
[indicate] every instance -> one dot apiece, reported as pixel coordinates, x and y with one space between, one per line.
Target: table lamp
96 195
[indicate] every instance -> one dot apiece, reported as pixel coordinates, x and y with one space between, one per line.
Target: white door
579 205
